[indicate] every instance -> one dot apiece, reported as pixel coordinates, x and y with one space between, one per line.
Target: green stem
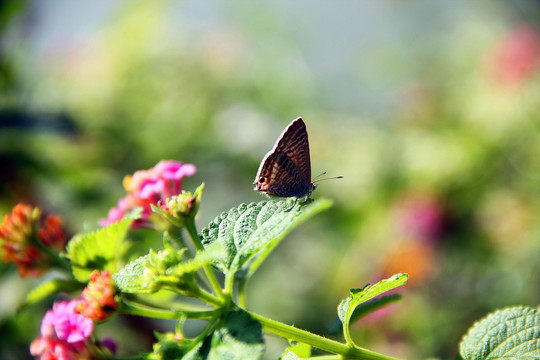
192 231
209 298
317 341
58 260
229 283
242 293
346 332
134 308
178 239
175 236
175 305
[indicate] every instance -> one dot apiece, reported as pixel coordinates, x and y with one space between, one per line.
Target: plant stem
58 260
209 298
175 305
134 308
229 282
317 341
242 293
175 235
192 231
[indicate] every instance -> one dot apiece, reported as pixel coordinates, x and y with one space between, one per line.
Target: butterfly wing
286 169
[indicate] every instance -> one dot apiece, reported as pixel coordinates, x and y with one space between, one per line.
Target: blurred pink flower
63 334
45 348
17 232
517 56
148 187
416 258
67 324
420 215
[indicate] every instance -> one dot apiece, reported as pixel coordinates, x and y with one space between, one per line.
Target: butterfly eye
262 180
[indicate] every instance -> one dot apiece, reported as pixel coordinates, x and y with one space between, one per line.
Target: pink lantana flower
148 187
63 334
18 232
98 297
517 56
420 215
67 324
54 349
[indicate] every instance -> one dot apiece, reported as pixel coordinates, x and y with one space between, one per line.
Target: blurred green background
429 109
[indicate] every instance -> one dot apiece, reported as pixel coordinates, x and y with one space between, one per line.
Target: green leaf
368 307
164 269
512 333
251 232
130 278
102 249
170 346
49 288
365 309
358 296
239 336
297 351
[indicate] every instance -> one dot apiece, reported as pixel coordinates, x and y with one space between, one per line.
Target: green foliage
348 306
238 336
102 249
51 287
168 268
364 309
169 347
368 307
297 351
512 333
251 232
138 89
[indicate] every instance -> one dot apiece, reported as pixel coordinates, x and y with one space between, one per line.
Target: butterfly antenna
318 176
330 178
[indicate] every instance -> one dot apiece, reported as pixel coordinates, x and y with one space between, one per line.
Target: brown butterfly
285 171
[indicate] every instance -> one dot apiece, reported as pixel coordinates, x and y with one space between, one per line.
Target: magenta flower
44 348
148 187
173 172
67 324
517 56
420 215
63 334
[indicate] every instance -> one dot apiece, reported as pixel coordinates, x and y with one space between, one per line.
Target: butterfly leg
293 205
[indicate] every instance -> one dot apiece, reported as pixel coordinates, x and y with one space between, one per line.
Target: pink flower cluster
420 215
17 232
517 56
98 297
63 334
148 187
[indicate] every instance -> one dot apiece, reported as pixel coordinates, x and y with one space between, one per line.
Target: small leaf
358 296
368 307
170 346
251 232
164 269
239 336
364 309
49 288
297 351
101 249
512 333
130 278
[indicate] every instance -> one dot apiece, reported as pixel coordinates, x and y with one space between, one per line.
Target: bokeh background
429 109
